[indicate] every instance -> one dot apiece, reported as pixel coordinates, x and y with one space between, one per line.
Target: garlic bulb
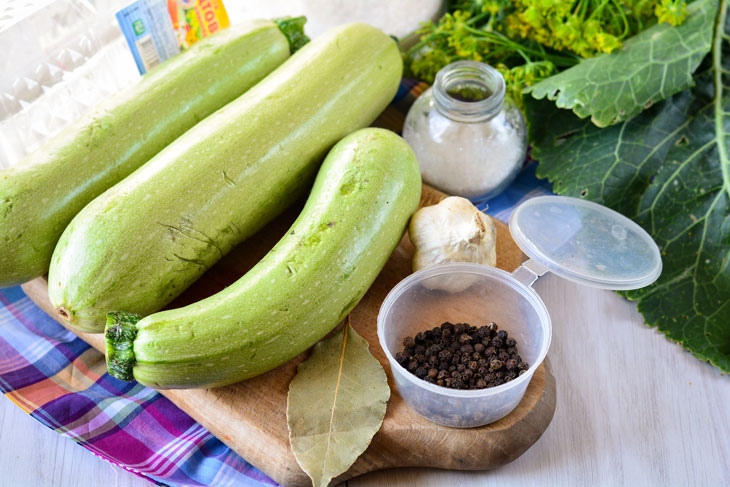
452 231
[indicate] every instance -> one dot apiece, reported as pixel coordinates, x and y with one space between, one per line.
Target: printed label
194 19
148 29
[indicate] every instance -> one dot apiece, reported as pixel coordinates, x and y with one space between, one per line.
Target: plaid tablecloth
62 382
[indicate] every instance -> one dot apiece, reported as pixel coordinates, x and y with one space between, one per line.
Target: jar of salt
470 140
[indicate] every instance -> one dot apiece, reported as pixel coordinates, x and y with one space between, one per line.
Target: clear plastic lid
586 242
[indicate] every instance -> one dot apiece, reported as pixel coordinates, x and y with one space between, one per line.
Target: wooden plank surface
250 416
636 410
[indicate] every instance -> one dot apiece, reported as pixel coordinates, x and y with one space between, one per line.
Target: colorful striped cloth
62 382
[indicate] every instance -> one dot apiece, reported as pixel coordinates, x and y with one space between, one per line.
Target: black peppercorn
462 356
483 332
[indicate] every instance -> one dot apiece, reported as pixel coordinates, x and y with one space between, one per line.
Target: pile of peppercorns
461 356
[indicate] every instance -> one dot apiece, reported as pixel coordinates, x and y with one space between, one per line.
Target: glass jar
470 140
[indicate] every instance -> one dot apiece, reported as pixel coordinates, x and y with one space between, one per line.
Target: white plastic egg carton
59 57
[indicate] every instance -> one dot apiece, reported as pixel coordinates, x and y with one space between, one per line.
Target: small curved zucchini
145 240
41 195
367 189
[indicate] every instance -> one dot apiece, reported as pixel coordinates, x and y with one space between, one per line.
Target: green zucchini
40 196
148 238
367 189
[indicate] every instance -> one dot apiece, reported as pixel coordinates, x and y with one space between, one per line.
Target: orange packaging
194 19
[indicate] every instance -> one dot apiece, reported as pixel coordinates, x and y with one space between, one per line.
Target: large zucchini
149 237
40 196
366 191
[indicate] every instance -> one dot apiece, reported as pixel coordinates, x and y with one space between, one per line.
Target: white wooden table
632 409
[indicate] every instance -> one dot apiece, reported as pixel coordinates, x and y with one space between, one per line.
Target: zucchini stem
120 332
293 30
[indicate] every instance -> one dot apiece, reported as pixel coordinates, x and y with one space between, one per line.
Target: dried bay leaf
336 404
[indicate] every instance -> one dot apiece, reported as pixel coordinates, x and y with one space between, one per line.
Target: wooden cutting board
250 416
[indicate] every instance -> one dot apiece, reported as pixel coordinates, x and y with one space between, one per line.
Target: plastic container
494 295
575 239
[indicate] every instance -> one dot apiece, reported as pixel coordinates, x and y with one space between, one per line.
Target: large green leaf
668 169
650 66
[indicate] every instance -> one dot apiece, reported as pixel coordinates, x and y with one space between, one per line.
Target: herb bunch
530 40
588 27
475 34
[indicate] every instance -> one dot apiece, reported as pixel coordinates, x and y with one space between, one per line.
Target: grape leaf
668 169
651 66
336 403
